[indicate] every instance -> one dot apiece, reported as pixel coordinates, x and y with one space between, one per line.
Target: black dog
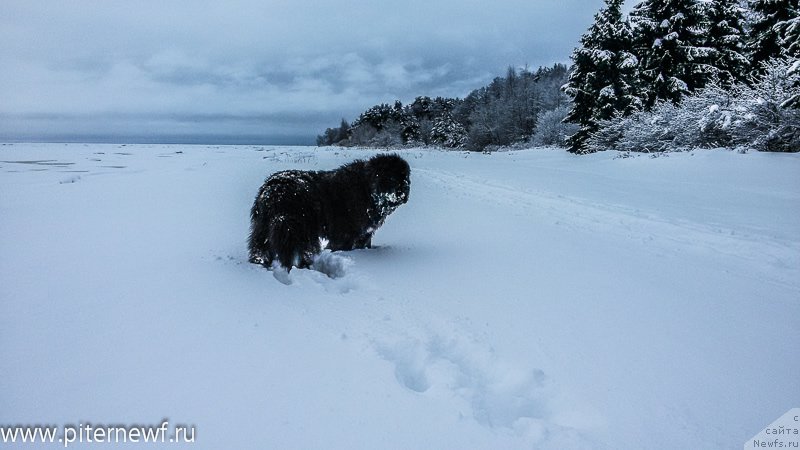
295 209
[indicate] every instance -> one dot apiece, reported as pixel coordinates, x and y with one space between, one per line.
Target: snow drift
527 299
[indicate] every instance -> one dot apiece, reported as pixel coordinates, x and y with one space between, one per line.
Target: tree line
519 107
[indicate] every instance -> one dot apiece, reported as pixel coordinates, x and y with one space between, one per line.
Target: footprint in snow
499 394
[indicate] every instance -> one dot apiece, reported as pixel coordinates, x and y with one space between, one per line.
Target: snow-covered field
527 299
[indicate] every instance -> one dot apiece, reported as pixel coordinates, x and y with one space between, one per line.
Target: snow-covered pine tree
604 77
726 37
775 30
671 48
448 133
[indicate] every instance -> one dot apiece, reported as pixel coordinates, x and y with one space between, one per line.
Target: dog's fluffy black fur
294 209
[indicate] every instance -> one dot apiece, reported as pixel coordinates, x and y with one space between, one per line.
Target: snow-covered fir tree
604 76
674 60
775 30
726 38
448 133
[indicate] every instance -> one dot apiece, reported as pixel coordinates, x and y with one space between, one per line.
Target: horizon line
167 139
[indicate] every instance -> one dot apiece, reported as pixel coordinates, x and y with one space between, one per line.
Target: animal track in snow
499 394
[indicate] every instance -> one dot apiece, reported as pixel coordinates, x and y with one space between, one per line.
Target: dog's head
390 182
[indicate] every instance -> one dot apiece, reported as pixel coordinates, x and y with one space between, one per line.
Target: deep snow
526 299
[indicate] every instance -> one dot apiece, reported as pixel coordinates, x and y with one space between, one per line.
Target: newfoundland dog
296 210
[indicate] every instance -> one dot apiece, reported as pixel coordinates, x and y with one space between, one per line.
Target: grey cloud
253 63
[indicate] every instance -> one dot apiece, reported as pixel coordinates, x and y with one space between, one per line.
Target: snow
676 84
522 299
630 62
607 92
795 68
601 55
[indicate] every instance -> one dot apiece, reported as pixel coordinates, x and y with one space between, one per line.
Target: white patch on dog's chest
385 203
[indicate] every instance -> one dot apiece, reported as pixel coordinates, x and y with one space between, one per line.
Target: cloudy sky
268 71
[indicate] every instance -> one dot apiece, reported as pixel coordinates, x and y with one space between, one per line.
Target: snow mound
280 273
334 265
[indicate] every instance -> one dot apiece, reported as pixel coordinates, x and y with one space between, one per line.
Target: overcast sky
279 70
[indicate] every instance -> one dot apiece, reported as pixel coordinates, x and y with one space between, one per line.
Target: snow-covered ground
528 299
